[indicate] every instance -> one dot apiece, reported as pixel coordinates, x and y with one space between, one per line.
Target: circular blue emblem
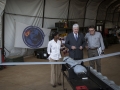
33 36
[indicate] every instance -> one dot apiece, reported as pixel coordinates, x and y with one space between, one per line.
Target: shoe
59 84
54 86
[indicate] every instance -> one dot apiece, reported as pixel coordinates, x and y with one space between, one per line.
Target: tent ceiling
113 6
84 11
103 8
117 10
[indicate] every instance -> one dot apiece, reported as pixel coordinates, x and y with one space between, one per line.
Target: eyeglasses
91 30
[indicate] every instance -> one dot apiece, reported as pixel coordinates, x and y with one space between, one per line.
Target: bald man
75 42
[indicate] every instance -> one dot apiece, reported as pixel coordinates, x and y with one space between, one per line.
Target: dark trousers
93 53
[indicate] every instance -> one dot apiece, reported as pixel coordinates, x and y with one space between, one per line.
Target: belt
93 48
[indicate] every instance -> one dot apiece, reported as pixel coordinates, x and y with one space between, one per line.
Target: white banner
27 36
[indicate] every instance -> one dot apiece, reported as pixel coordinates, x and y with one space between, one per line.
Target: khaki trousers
55 72
93 53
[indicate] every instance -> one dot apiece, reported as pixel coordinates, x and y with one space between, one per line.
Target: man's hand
81 47
73 47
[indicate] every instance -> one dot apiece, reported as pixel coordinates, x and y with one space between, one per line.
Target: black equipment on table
85 81
41 53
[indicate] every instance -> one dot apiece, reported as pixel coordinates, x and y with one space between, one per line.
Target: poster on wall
31 36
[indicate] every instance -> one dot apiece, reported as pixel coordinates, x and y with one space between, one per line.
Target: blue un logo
33 36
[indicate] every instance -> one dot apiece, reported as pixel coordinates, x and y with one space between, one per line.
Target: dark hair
92 26
54 34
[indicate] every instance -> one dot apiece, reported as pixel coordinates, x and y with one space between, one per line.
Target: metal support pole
43 14
0 57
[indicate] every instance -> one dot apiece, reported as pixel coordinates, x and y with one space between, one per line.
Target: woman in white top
53 50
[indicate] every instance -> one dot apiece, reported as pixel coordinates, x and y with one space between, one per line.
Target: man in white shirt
53 50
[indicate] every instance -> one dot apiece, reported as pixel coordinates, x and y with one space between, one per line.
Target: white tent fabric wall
25 7
119 24
109 17
89 21
50 23
115 18
101 16
111 12
91 13
103 8
77 11
105 15
1 31
25 11
2 6
115 24
10 33
55 11
79 21
109 25
56 8
119 21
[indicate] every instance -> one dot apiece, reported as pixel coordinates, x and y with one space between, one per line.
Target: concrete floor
37 77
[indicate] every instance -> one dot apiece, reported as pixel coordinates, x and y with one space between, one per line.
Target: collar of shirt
55 41
75 34
92 34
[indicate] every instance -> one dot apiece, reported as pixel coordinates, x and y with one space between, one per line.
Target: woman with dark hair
53 50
